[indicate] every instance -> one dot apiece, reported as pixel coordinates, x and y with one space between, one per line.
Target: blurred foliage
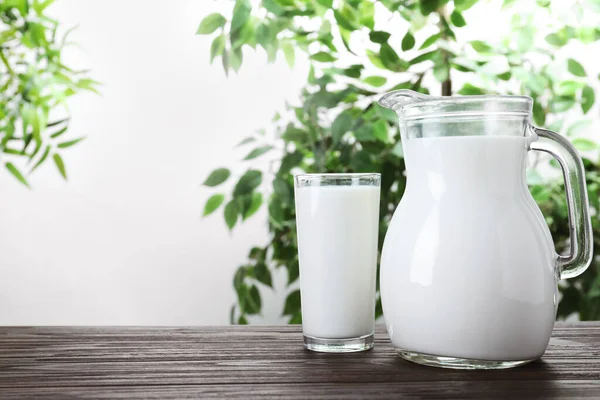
34 88
338 127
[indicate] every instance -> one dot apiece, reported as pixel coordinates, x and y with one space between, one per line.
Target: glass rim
338 175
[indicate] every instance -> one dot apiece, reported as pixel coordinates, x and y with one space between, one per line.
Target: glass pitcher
468 268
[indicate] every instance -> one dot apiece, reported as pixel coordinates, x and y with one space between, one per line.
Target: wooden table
246 362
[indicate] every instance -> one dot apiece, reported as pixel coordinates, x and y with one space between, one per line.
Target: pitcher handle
580 225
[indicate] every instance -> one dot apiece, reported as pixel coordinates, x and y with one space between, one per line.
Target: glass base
349 345
457 363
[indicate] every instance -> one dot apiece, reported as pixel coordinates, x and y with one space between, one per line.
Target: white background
123 241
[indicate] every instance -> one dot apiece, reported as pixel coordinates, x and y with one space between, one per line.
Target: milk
337 250
468 264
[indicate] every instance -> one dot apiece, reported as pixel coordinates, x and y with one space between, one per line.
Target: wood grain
243 362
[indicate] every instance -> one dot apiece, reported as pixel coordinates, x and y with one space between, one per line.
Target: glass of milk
337 218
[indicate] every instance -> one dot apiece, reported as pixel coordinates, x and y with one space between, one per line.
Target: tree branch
447 84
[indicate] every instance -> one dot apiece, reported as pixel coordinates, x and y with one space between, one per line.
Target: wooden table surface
247 362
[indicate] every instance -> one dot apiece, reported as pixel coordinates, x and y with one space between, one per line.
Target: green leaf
480 47
289 53
253 301
263 36
561 104
346 17
354 71
462 5
428 6
296 319
38 34
326 3
323 57
408 41
575 68
362 162
365 133
292 303
276 213
242 320
293 269
587 99
272 6
244 204
235 59
58 133
380 130
583 144
241 13
345 35
578 127
42 159
588 34
290 161
225 60
217 177
380 37
430 55
568 88
556 39
457 19
340 126
376 81
211 23
238 278
257 152
537 83
248 182
293 134
217 47
283 191
245 141
390 59
469 89
231 214
213 203
58 161
430 40
245 35
16 173
505 76
263 274
256 202
69 143
366 12
57 122
40 6
539 115
15 152
88 84
375 59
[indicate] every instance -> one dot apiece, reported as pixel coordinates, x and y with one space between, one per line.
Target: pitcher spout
399 98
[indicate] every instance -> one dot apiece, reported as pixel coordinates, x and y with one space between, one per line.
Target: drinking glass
337 218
